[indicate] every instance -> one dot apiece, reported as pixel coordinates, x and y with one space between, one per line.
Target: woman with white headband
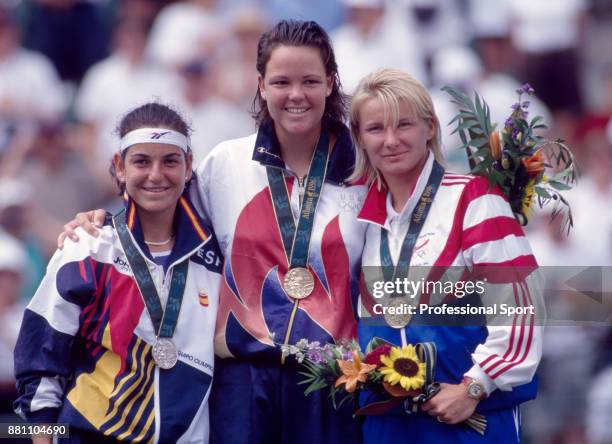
121 328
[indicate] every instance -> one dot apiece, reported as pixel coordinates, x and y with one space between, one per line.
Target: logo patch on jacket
203 297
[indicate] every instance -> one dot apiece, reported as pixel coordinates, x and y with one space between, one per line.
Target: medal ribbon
164 321
297 240
417 220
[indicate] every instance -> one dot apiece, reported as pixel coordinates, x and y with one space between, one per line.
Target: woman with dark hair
283 212
121 328
285 217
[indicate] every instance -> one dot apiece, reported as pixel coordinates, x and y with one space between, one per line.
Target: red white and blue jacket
471 233
83 356
254 310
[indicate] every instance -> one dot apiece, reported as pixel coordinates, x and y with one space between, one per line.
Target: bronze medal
299 283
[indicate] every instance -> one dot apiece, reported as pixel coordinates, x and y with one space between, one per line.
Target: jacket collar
374 209
341 160
190 230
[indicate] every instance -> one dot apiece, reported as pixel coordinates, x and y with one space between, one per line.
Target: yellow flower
403 366
528 197
353 372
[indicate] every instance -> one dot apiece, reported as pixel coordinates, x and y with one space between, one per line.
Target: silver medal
165 353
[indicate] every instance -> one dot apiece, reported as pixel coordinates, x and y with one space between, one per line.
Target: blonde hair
390 86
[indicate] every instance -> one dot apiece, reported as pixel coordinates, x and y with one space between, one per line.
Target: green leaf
536 119
376 342
479 142
559 185
484 153
499 177
479 168
479 110
462 115
541 192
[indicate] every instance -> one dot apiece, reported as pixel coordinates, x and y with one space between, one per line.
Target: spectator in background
72 33
591 200
17 219
437 23
599 400
486 70
548 35
123 80
233 66
13 264
30 90
376 35
217 119
458 66
58 172
329 14
599 408
185 30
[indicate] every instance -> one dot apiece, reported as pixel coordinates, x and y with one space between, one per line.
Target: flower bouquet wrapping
524 165
396 375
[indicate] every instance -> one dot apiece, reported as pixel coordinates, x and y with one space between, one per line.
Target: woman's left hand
451 405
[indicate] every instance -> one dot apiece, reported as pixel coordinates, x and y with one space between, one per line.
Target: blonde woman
420 215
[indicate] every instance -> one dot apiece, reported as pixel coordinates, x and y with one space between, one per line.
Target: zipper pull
301 189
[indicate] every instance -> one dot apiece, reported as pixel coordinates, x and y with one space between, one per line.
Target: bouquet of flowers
525 166
395 374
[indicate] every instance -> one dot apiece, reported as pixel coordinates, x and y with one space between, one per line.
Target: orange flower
353 372
534 164
495 145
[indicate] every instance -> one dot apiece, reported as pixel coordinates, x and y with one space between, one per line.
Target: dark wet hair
301 33
153 115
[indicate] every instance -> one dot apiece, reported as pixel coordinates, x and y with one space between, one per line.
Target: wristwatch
475 389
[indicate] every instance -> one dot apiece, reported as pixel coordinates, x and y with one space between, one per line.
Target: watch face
475 390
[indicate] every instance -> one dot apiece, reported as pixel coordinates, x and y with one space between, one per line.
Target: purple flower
347 356
314 345
525 88
525 104
315 356
515 132
509 122
516 106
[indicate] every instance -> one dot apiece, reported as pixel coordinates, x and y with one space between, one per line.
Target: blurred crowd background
70 68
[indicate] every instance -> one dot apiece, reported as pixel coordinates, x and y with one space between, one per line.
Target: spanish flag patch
203 299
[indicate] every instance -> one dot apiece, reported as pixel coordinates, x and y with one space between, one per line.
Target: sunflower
402 365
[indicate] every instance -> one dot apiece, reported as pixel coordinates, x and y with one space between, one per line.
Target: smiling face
154 175
396 149
295 87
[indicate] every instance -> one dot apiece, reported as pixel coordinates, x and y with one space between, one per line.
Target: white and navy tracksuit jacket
84 351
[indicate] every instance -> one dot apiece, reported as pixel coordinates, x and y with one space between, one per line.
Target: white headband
154 135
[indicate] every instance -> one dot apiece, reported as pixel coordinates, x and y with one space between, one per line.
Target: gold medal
397 312
299 283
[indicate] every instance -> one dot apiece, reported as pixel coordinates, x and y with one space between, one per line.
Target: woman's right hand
91 222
